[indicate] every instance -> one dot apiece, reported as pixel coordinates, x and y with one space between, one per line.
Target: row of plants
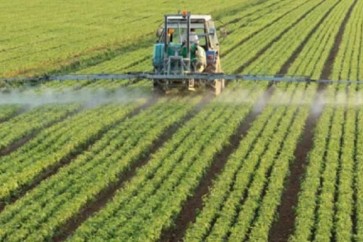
9 110
269 204
347 61
29 122
328 207
344 201
325 207
42 211
313 56
308 197
256 215
255 140
56 143
358 172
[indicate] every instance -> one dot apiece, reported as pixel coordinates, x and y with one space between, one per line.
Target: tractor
187 44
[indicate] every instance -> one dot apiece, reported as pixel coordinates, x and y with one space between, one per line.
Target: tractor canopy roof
192 17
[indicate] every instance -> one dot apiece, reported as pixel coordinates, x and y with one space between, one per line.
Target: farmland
112 161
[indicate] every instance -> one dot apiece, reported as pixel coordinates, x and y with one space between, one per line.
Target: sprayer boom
207 77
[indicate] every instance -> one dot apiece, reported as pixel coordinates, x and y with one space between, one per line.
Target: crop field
110 160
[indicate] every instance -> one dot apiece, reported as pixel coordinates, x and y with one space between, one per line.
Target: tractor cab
186 44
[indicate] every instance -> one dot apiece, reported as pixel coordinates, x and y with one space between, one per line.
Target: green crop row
257 212
39 214
54 144
8 110
348 60
25 124
307 199
312 58
345 184
358 207
272 60
262 127
328 201
262 40
227 212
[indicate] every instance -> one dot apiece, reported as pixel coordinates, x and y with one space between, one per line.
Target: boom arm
152 76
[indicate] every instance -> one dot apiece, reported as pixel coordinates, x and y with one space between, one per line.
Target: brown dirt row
68 159
107 194
285 67
329 63
195 203
277 38
282 228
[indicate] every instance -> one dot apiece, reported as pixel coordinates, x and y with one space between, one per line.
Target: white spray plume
89 97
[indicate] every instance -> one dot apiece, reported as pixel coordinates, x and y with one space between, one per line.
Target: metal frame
211 77
184 62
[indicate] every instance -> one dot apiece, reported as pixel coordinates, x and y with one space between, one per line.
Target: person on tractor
197 53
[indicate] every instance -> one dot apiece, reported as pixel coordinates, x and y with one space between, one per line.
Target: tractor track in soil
107 194
329 63
195 203
22 141
277 38
283 226
52 170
